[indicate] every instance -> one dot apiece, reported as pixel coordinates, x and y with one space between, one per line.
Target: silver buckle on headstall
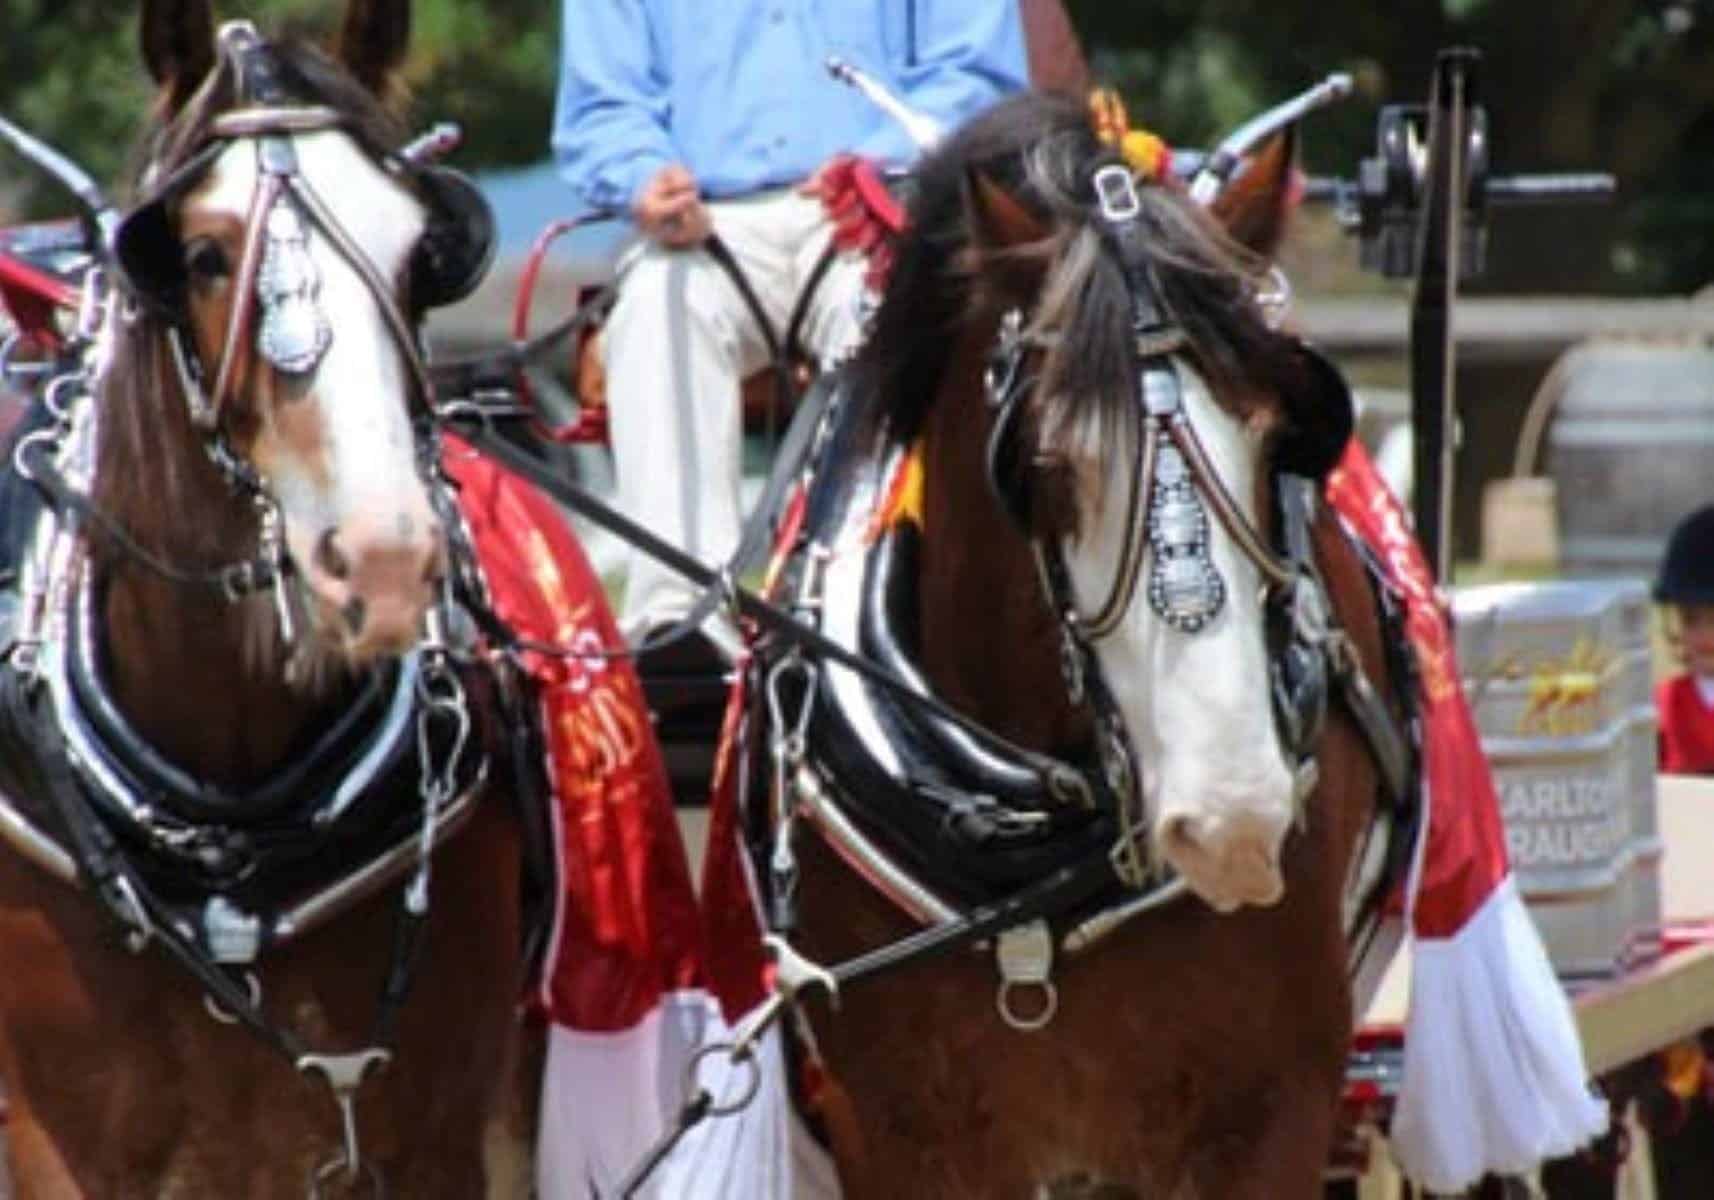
1116 192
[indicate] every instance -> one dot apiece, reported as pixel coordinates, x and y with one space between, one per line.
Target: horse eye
205 259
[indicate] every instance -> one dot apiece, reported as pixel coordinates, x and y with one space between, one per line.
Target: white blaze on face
335 444
1197 705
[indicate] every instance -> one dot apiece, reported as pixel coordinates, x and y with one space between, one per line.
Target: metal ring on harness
53 398
221 1014
753 1081
320 1176
20 463
19 371
1007 1005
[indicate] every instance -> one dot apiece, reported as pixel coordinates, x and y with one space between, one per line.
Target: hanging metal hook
344 1074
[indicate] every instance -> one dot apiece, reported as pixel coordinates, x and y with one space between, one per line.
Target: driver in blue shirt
713 116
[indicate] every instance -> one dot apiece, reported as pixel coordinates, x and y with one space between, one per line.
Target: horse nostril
355 612
329 558
1177 834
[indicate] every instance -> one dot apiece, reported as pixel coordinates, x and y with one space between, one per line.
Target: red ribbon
628 928
1465 858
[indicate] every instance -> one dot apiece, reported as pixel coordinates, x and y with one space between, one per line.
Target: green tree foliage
71 73
1620 85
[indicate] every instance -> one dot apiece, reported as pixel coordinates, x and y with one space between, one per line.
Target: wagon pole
1457 190
1433 342
1420 208
99 216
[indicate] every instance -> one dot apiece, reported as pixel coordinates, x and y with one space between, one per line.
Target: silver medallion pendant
1184 588
293 333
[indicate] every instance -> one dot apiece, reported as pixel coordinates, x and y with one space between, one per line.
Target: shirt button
776 16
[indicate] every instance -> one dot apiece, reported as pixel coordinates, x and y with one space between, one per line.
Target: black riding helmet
1687 569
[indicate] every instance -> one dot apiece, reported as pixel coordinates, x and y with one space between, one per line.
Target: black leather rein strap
1061 780
1054 896
473 380
1059 893
36 464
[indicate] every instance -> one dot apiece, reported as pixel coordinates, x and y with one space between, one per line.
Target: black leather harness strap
106 873
1059 893
471 381
1391 746
755 539
1388 742
35 461
1061 780
793 344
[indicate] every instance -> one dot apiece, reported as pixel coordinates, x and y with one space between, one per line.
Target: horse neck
990 644
179 658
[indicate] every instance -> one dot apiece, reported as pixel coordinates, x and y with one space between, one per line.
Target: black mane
1041 150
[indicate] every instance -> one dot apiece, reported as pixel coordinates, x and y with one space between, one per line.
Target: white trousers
678 344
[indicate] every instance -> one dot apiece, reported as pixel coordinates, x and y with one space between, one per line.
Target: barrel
1631 448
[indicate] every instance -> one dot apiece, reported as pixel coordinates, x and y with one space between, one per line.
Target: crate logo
1564 821
1563 697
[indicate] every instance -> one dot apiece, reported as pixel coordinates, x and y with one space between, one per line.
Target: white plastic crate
1559 678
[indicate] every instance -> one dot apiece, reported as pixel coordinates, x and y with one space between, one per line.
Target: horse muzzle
372 577
1229 858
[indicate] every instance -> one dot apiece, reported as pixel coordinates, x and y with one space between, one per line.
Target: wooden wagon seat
1056 64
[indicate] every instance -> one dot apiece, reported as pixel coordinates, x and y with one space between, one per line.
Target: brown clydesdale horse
1197 1051
289 442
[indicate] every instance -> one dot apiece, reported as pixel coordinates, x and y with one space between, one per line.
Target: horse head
1139 402
279 262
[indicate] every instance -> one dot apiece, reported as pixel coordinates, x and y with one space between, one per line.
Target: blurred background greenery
1620 85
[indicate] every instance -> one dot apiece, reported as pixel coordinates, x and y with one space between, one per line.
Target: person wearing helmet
1685 701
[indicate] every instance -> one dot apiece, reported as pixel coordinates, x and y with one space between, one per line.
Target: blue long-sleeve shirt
736 90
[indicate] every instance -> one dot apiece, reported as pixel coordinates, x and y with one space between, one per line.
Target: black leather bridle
1172 486
455 252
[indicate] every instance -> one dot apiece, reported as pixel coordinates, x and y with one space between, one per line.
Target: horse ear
178 46
1257 207
997 219
373 41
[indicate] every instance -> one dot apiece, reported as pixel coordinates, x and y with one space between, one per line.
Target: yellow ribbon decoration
1683 1064
1146 154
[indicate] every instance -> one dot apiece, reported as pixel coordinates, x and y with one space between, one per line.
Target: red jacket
1686 728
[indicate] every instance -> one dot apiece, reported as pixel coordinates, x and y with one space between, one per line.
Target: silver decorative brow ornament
1185 590
294 332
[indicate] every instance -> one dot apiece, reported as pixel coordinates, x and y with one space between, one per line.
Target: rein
486 387
1065 781
34 460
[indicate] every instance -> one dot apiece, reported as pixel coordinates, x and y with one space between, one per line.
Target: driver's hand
670 211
